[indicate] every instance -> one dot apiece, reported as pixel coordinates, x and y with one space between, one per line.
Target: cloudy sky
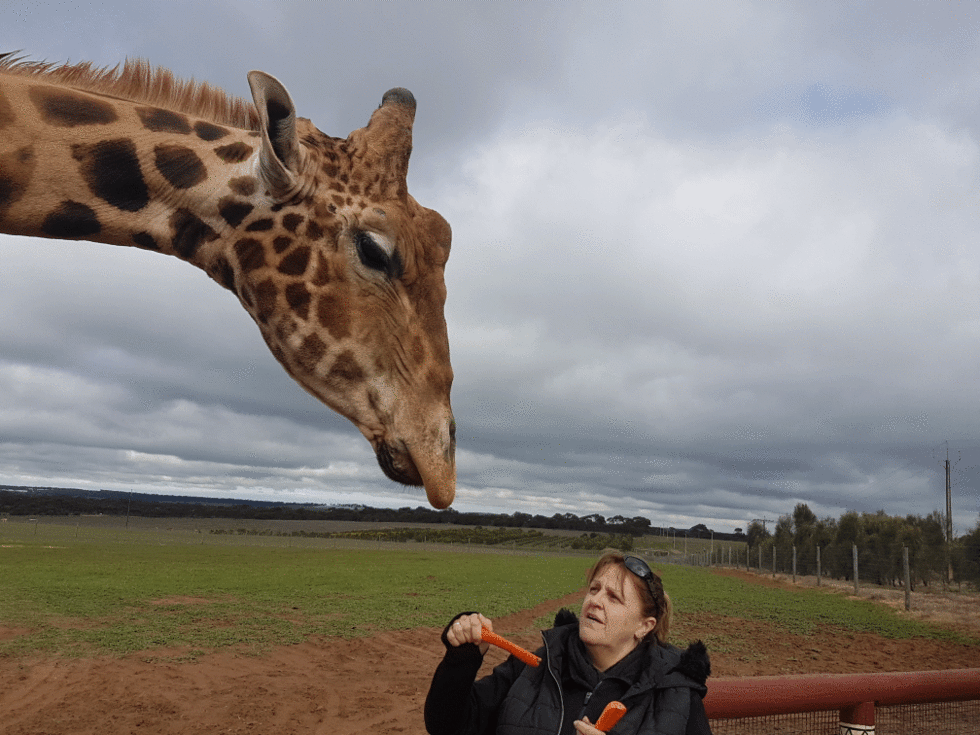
710 260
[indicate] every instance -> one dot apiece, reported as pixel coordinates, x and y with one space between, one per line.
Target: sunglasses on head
641 570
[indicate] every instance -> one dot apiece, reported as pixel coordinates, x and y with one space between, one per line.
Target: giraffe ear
279 160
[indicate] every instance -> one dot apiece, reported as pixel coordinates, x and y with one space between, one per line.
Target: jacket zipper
588 697
554 677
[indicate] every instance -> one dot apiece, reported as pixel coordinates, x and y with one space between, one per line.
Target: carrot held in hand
610 716
526 656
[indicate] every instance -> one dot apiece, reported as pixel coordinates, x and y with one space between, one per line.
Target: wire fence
949 718
863 572
899 703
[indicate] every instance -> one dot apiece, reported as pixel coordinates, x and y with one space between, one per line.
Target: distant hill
113 495
19 500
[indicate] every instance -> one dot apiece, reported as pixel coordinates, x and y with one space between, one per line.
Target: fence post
854 555
858 719
774 561
818 565
794 565
908 579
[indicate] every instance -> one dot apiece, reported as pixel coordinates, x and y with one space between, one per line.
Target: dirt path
369 685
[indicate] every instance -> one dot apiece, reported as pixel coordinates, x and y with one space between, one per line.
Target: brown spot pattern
286 328
346 369
233 152
111 169
223 273
209 131
233 211
296 262
298 297
244 185
281 357
146 241
189 231
163 121
16 169
313 230
291 221
180 166
310 353
322 275
260 225
282 243
251 254
67 109
265 300
332 311
71 219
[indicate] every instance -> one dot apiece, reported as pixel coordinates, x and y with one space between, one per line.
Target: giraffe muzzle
397 465
435 471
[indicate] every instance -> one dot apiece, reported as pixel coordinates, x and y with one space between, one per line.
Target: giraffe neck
339 267
78 165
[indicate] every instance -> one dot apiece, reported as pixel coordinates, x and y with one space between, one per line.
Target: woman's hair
656 603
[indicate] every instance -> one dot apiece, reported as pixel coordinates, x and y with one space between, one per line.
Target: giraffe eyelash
372 255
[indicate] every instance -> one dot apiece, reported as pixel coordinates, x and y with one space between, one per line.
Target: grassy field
86 594
99 587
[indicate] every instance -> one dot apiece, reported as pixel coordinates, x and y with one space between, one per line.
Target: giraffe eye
370 253
375 257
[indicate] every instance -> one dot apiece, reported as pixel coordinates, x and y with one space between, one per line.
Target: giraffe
318 237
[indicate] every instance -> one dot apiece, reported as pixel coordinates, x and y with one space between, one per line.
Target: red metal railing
854 696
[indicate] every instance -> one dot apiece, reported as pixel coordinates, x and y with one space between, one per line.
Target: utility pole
949 524
763 521
948 530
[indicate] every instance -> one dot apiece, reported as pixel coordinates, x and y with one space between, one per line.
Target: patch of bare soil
368 685
749 648
180 600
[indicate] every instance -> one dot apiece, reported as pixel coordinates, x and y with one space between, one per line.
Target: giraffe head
343 273
340 268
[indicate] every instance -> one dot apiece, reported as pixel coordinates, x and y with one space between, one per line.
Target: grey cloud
709 261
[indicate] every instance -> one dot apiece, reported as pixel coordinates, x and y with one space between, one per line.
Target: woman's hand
584 727
467 628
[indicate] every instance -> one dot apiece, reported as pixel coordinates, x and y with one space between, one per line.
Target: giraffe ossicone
341 269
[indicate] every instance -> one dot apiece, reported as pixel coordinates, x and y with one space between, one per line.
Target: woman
616 650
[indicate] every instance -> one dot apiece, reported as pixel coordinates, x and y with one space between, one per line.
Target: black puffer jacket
661 686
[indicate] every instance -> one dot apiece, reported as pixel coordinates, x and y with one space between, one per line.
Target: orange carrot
526 656
610 716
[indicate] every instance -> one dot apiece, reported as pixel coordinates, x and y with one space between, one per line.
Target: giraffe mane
138 81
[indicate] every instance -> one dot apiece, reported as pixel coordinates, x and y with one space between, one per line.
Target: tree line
59 501
879 539
515 537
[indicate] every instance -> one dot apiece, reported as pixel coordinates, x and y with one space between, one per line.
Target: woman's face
612 620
